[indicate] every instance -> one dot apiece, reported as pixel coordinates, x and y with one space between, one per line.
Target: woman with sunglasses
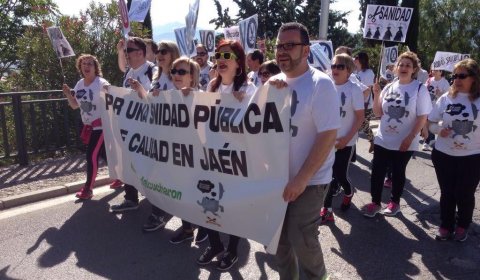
268 69
402 106
231 79
351 116
456 155
166 53
86 97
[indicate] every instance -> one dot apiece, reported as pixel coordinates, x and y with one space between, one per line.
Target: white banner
387 23
207 37
59 42
185 49
206 158
447 60
389 57
232 33
191 22
319 55
138 10
123 11
248 33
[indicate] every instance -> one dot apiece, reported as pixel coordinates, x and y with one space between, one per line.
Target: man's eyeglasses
225 55
264 74
461 76
340 67
180 72
201 53
129 50
162 51
288 46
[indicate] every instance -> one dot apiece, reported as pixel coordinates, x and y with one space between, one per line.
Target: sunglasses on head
180 72
338 66
129 50
264 74
461 76
225 55
162 52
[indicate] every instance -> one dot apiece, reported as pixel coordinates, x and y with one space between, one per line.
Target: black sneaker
182 236
202 235
208 256
227 261
126 205
153 223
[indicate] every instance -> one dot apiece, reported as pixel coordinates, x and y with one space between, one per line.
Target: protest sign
318 57
206 158
191 22
185 49
59 42
207 37
122 7
447 60
381 22
232 33
248 32
138 10
389 57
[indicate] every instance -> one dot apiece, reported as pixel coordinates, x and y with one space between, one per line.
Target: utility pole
323 28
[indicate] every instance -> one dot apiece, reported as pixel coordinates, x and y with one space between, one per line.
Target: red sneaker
116 184
84 193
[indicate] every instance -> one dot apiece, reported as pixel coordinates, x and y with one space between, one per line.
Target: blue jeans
299 245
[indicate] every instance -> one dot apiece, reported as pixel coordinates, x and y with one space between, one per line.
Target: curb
47 193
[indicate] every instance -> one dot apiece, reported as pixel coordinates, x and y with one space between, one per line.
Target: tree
13 24
412 32
448 25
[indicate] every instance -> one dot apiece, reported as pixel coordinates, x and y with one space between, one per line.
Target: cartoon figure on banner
210 203
399 34
395 109
388 34
377 33
369 33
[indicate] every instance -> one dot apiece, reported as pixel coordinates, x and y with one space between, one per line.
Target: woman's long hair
241 76
474 71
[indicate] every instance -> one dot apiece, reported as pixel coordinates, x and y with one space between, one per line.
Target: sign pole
380 61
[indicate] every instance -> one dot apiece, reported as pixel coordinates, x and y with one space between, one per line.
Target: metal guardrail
36 122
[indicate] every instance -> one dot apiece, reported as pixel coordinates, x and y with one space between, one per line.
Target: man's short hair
296 26
257 55
151 44
140 43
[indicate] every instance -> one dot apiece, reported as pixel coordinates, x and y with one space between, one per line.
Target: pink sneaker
460 234
84 193
392 209
116 184
327 216
388 183
371 209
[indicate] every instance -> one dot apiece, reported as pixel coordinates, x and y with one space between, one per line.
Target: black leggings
95 150
216 243
398 162
458 178
340 174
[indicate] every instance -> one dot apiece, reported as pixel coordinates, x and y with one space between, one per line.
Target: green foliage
13 19
448 25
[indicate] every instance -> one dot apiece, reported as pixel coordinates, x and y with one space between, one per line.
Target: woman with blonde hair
403 107
456 155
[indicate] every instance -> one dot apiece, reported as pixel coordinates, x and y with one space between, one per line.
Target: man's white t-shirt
462 116
254 78
351 100
442 85
88 98
204 77
401 105
314 109
142 74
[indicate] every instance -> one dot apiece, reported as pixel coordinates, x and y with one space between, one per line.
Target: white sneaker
426 147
